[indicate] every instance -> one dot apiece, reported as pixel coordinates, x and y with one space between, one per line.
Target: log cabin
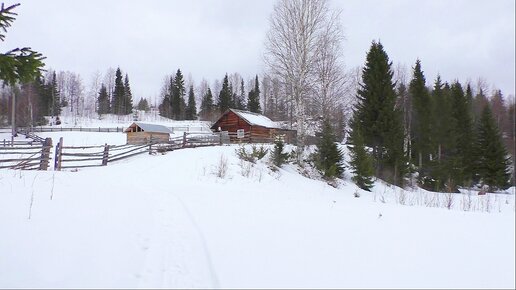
245 126
141 133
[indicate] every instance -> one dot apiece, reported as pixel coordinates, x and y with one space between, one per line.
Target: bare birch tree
297 33
330 84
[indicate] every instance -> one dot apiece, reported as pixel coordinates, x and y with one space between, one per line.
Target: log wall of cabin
231 122
145 137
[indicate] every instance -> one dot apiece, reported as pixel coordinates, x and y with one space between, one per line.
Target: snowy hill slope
170 221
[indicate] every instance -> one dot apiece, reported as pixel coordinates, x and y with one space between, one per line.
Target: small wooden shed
256 128
141 133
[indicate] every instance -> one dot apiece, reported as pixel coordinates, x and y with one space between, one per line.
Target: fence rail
74 129
35 154
28 155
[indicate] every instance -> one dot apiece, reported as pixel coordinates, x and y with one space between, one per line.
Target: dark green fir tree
178 96
103 101
380 121
492 157
207 106
224 102
253 101
143 105
463 142
191 107
117 103
361 162
421 119
128 97
329 157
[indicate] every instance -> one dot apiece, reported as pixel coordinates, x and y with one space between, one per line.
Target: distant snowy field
168 221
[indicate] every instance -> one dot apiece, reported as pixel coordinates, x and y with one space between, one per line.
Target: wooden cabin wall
145 137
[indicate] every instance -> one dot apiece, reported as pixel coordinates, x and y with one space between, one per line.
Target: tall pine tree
55 109
421 119
380 122
440 166
207 106
253 101
224 96
117 103
103 101
128 96
492 161
462 134
177 96
191 107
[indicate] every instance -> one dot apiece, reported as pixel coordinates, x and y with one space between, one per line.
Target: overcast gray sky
460 39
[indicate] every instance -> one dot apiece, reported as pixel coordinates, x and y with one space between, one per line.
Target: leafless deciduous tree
330 82
300 32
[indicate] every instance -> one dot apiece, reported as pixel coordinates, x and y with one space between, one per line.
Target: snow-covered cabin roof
146 127
255 119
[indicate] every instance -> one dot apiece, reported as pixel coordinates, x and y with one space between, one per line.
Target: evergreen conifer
492 161
329 156
361 161
191 108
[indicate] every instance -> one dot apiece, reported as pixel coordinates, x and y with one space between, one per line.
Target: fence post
57 158
106 155
184 139
45 154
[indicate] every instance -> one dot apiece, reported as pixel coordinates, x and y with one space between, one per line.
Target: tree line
444 136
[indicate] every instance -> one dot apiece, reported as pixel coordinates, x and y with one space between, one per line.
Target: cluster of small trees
449 139
173 104
119 101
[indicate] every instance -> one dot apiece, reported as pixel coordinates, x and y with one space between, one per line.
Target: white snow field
177 221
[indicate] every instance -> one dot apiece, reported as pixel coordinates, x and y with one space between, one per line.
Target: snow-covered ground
180 221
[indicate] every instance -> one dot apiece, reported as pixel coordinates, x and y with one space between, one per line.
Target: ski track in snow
176 253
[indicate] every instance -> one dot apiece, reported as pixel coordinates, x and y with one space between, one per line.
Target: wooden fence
68 157
28 155
74 129
35 154
92 156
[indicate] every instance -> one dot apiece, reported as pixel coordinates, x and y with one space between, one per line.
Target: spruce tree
462 133
479 102
224 102
492 161
165 107
380 122
191 109
55 109
441 129
44 96
143 105
128 97
253 102
177 96
421 119
329 156
207 106
103 101
278 157
361 161
117 103
240 101
19 64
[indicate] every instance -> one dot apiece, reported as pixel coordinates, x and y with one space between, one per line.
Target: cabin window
240 133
